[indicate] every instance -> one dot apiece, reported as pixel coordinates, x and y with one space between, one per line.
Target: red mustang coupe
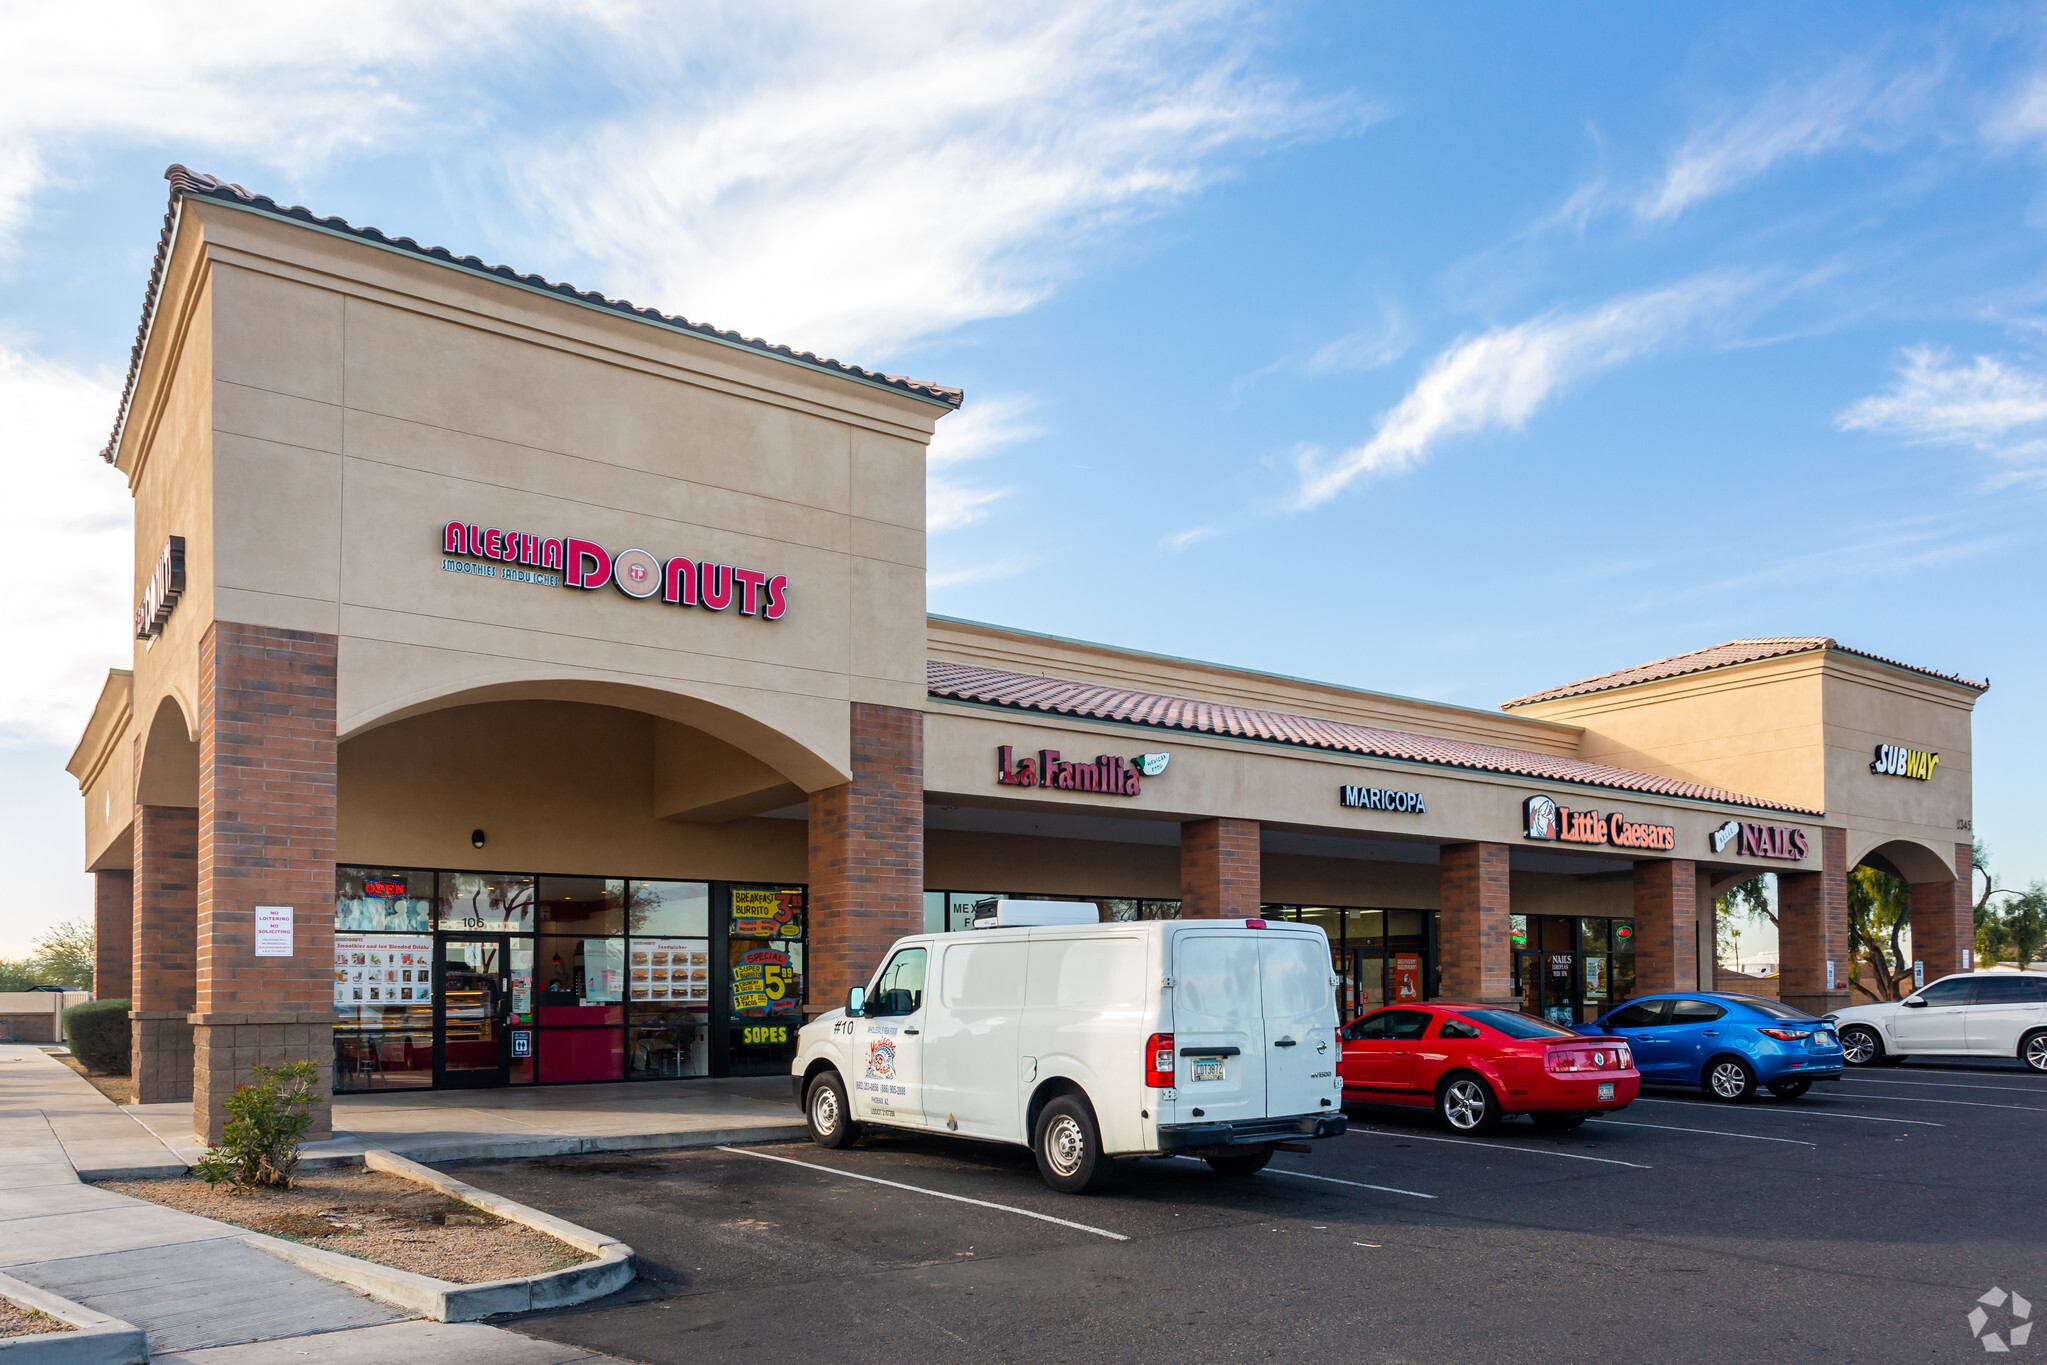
1476 1065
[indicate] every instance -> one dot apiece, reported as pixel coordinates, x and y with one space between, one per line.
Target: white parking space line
1950 1085
1921 1099
1332 1180
1802 1113
1716 1132
1502 1147
935 1194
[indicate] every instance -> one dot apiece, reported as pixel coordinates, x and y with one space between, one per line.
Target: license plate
1606 1090
1825 1039
1208 1068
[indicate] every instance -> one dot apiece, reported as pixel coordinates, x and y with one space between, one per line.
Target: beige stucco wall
104 766
556 787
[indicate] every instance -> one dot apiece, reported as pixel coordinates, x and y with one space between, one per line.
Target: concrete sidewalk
457 1125
197 1291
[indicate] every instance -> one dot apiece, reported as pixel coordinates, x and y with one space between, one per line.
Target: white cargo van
1086 1041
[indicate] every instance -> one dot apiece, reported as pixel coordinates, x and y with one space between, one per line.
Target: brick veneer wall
113 933
867 854
266 837
1473 945
1221 870
1666 925
1944 917
1812 929
163 957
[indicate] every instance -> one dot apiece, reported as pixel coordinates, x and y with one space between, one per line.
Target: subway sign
1895 760
570 562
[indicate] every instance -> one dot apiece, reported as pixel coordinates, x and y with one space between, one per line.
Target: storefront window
670 979
765 975
383 993
383 900
486 901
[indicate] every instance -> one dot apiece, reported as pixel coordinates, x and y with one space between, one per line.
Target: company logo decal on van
881 1059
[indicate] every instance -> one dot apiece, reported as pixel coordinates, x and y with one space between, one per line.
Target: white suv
1987 1014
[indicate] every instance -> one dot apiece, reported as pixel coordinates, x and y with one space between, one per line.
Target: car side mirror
1914 1003
856 1002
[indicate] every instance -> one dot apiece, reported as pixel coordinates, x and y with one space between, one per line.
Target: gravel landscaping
16 1321
376 1216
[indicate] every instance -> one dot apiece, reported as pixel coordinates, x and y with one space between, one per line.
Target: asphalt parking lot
1860 1223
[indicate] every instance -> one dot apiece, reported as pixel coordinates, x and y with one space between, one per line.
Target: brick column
113 934
266 837
1221 872
1944 918
867 854
1812 929
1666 926
164 959
1473 942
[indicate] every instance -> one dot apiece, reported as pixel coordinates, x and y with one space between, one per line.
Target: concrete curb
96 1339
441 1301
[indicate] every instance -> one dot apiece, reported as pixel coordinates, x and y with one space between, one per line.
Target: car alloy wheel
1730 1079
2034 1052
1466 1104
1860 1047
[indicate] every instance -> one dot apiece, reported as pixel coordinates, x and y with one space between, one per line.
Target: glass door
472 1003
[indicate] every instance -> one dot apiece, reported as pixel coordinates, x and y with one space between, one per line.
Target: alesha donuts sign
570 562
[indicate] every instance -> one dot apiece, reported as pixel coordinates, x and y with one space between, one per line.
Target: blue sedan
1729 1045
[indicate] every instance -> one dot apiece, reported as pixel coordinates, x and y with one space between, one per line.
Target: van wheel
827 1114
1562 1122
1467 1104
1246 1163
1068 1146
1730 1079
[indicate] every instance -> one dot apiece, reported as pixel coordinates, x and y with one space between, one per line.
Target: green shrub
265 1122
98 1034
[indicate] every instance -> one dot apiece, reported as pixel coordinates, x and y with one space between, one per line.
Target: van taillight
1254 924
1158 1061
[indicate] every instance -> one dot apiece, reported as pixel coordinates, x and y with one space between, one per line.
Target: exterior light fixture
476 838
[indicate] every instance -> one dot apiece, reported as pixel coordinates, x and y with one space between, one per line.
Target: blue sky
1447 352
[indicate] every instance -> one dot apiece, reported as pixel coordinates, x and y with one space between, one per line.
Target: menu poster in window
764 981
382 969
761 912
1407 976
672 970
603 970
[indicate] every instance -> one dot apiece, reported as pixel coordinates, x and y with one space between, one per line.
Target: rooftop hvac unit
995 913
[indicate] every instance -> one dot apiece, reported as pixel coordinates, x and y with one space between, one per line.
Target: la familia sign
567 561
1110 774
1543 818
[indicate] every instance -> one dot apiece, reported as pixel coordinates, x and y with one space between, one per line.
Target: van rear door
1300 1023
1218 1026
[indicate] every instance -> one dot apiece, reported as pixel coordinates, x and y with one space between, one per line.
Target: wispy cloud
1988 404
1499 378
70 539
865 177
956 575
978 430
1850 105
1193 535
283 86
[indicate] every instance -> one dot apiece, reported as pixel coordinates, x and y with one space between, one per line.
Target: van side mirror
856 1002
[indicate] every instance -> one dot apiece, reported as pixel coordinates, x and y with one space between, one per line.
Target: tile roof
1059 697
187 184
1721 656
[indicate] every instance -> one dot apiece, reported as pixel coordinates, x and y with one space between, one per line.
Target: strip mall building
532 688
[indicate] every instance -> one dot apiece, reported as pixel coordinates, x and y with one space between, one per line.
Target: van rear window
1215 977
1293 973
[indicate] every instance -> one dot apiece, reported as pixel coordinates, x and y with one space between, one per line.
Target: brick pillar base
266 838
867 854
1666 926
1221 872
1812 929
1473 944
113 934
1944 918
163 956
